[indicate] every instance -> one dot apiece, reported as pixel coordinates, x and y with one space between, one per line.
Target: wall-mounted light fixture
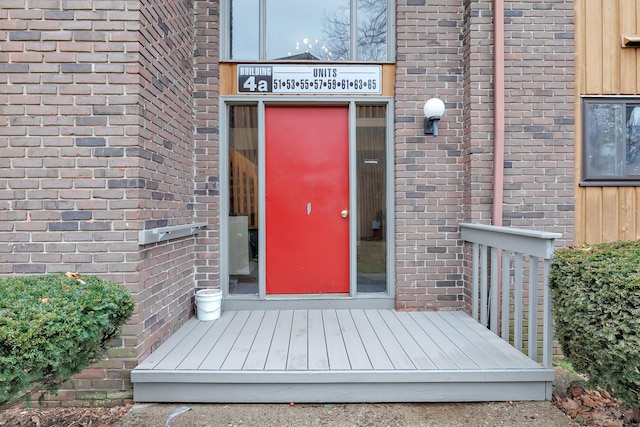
433 110
631 40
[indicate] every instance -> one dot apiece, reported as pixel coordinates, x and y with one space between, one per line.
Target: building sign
308 79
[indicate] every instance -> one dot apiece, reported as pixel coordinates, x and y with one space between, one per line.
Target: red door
307 190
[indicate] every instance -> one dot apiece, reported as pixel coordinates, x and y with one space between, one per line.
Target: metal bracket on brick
165 233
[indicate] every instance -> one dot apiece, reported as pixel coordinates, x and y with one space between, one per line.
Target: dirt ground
572 405
392 415
518 414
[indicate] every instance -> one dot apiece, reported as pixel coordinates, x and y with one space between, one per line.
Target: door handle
344 213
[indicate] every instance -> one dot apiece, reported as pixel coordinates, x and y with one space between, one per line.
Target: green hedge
596 292
53 326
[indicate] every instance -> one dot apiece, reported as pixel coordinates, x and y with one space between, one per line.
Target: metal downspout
498 120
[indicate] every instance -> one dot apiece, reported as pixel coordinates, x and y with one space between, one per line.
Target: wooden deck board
396 353
406 341
438 356
220 351
298 349
174 340
204 346
318 358
336 350
353 342
506 350
236 358
321 355
473 349
481 343
277 358
444 342
179 352
375 349
257 357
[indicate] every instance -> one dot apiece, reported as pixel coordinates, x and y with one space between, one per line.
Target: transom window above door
307 30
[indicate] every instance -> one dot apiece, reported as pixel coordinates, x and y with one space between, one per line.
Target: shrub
53 326
596 292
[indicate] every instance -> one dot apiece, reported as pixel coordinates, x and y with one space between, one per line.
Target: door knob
344 213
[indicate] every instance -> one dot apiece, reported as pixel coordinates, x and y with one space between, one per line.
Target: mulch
62 417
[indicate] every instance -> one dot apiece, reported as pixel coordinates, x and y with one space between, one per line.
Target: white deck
338 356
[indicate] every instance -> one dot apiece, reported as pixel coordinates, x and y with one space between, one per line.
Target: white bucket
209 303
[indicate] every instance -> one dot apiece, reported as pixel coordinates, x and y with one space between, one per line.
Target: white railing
518 269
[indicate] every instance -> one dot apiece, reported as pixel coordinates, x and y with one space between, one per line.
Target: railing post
547 339
505 258
517 302
533 308
474 282
484 303
494 317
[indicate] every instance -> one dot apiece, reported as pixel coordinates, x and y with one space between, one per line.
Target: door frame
283 301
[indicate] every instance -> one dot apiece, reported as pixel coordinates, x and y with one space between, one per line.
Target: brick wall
478 111
65 89
445 49
67 186
539 116
165 156
429 170
478 117
207 155
95 144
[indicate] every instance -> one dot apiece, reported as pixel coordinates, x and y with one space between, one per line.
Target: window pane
372 30
243 199
605 125
244 30
633 141
371 175
308 30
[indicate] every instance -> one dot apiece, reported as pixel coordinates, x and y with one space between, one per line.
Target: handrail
155 235
516 254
